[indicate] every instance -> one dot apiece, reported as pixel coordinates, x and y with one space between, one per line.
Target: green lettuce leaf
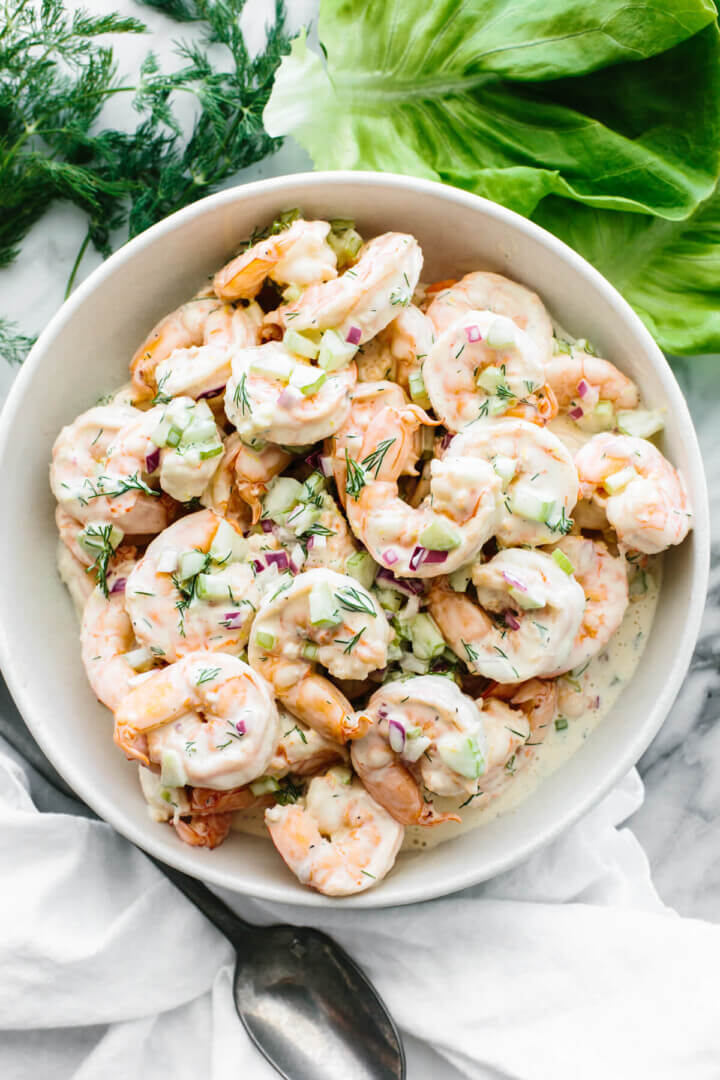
668 270
611 104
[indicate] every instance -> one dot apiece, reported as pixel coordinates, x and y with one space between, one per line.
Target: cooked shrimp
263 398
74 575
367 400
365 297
301 750
208 720
326 618
579 380
483 360
181 329
299 255
410 338
604 581
483 291
337 839
332 549
202 371
536 611
539 478
244 473
106 637
97 468
425 732
204 830
644 497
514 728
461 512
213 607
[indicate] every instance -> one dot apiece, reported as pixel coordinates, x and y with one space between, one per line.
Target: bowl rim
674 675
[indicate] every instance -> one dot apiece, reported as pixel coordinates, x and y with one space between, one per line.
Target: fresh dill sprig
14 345
351 599
373 461
355 480
54 80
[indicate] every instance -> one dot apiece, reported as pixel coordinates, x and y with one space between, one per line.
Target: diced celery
501 333
190 563
172 770
341 774
562 561
489 379
314 485
310 650
209 451
282 495
526 600
335 351
362 567
460 579
462 754
272 365
291 293
297 343
505 467
427 443
174 436
642 423
389 599
416 743
323 609
265 785
345 244
619 481
265 641
497 405
307 380
427 641
228 545
440 535
418 390
604 414
94 538
161 432
140 659
211 589
200 429
529 505
302 518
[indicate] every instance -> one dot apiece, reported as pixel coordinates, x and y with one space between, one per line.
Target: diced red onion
436 556
577 413
473 333
152 460
211 393
596 703
118 585
240 727
407 586
259 566
266 526
390 557
446 440
354 335
313 460
310 542
233 620
514 582
396 736
326 465
418 557
277 558
289 397
510 621
582 387
382 712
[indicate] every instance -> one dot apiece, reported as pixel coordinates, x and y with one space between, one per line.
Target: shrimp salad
348 547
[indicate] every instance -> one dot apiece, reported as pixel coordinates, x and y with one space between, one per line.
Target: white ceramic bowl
85 351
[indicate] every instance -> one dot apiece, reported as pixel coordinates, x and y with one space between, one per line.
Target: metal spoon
304 1002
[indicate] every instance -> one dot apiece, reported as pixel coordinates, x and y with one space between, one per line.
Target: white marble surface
678 823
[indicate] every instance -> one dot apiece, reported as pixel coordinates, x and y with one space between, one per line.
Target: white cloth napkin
567 967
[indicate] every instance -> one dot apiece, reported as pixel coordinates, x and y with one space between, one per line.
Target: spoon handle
220 915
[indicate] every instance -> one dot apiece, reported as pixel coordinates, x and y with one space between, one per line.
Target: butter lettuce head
583 115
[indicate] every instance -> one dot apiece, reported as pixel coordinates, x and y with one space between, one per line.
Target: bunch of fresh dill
54 79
